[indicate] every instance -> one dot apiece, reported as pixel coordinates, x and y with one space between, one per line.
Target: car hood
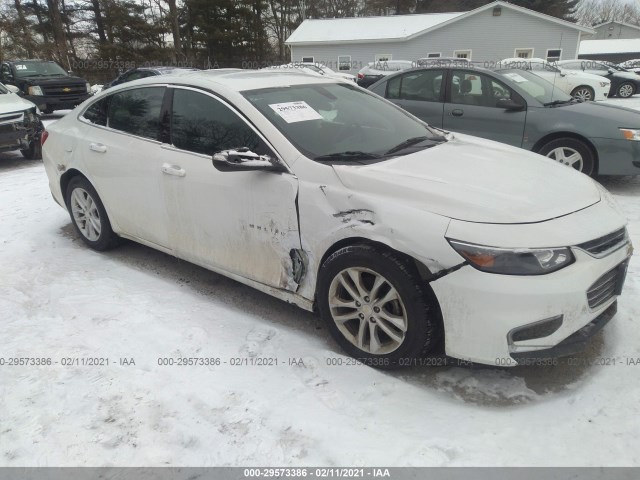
53 81
476 180
10 102
585 76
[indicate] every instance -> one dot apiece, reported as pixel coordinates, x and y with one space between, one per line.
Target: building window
462 54
433 55
554 55
523 53
344 62
307 60
383 57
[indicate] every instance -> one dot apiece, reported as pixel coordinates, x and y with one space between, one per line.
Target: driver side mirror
510 105
244 160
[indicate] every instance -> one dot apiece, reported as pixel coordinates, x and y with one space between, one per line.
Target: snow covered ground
60 300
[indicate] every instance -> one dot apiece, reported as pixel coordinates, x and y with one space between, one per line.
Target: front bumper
480 310
617 157
48 102
19 135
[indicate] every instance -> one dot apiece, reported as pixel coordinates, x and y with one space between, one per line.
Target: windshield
3 89
38 69
327 119
540 89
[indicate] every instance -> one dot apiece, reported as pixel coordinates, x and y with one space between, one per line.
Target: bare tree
594 12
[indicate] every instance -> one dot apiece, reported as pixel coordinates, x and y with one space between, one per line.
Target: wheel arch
557 135
420 269
66 178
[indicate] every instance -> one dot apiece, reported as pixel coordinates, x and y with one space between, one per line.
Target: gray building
495 31
614 31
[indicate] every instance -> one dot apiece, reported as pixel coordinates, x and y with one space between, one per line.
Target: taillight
361 75
43 137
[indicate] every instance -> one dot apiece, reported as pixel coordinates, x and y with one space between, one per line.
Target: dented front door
245 223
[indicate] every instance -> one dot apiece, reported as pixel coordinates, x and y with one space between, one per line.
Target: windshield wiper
558 102
414 141
351 155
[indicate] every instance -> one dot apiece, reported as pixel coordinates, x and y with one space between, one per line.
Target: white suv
582 86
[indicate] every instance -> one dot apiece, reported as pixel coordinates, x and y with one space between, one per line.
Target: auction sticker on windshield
293 112
515 77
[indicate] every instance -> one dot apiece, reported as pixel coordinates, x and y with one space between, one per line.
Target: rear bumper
45 102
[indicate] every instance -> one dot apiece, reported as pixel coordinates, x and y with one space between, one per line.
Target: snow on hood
476 180
10 102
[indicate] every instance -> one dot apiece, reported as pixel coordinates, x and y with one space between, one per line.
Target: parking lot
277 390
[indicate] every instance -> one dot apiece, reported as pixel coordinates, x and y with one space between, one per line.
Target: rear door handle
98 147
173 170
458 112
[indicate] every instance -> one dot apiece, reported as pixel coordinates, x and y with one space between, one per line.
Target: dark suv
45 83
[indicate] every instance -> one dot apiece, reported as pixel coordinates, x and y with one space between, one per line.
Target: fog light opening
540 329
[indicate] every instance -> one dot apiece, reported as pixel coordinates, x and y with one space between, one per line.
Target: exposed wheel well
420 269
554 136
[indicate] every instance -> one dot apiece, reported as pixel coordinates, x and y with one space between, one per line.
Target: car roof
237 80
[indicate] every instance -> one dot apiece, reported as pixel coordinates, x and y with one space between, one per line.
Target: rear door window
137 111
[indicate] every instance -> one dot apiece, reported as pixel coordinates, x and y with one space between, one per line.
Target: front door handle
174 170
458 112
98 147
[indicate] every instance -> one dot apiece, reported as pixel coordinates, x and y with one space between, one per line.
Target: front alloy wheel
367 310
583 94
377 307
571 152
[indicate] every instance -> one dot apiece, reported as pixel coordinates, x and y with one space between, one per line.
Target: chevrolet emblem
66 89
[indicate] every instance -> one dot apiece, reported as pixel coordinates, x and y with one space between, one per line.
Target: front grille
607 286
64 90
602 246
12 118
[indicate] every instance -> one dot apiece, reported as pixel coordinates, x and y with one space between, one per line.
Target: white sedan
580 85
404 237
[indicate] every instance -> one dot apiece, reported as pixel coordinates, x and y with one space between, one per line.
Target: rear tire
583 93
89 216
376 307
571 152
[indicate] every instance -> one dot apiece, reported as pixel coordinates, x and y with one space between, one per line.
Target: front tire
572 153
583 94
626 90
88 215
376 307
34 152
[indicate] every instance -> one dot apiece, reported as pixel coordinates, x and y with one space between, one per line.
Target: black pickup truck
45 83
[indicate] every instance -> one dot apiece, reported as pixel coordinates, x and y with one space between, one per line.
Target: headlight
631 134
35 91
88 87
512 261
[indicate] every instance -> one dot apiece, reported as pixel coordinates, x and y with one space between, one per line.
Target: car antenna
555 76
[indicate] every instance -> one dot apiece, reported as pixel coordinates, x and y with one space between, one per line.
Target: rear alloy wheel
572 153
626 90
89 216
376 308
583 94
